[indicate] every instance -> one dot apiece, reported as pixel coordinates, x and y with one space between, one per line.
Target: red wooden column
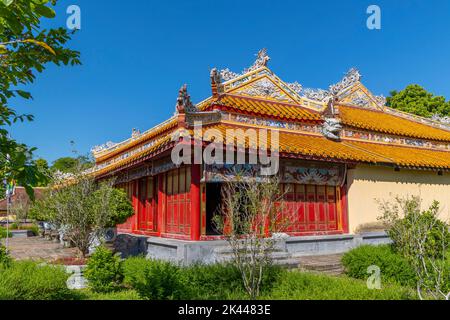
195 202
161 207
344 203
135 202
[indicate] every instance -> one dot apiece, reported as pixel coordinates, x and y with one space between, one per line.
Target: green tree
25 50
71 165
82 208
416 100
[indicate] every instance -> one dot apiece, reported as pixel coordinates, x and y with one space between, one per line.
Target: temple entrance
147 204
213 202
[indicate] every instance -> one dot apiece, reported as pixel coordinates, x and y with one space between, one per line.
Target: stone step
228 250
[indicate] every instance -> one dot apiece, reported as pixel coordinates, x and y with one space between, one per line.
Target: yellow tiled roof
315 146
309 145
141 140
312 146
121 163
387 123
406 156
267 108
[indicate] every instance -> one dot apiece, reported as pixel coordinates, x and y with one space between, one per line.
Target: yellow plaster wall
368 183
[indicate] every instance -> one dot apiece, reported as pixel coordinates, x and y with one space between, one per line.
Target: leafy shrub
116 295
222 281
394 268
294 285
32 281
4 233
5 258
121 208
34 229
154 279
212 282
104 271
407 222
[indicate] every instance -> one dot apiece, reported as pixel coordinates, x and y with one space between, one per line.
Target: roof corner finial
351 77
216 83
135 133
262 59
184 103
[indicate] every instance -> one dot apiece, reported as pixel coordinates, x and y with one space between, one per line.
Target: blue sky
137 54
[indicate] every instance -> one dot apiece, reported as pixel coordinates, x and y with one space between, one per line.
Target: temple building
340 150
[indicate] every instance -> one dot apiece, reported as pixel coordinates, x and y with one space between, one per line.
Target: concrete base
21 233
207 252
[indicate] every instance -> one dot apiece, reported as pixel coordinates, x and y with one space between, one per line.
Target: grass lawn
292 285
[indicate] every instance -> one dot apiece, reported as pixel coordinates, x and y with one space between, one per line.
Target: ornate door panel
146 204
311 208
178 215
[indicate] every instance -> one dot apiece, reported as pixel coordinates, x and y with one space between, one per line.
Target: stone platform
288 251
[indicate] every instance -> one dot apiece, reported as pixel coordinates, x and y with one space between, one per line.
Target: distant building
20 196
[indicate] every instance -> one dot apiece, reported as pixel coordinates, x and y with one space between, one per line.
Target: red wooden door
311 208
178 202
146 204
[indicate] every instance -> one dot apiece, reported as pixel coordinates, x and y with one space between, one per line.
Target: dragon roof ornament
262 58
351 77
103 147
184 103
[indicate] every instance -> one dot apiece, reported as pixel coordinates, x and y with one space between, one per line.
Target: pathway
37 248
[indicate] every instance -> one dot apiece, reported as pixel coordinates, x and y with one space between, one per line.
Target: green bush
32 281
154 279
213 282
222 281
5 258
294 285
117 295
436 237
394 268
34 229
3 233
104 271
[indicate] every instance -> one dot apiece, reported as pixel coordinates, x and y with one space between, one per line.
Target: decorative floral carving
103 147
227 74
296 87
264 88
361 100
262 59
381 100
441 119
351 77
316 94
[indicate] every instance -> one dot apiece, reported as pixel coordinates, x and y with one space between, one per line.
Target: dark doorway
213 202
